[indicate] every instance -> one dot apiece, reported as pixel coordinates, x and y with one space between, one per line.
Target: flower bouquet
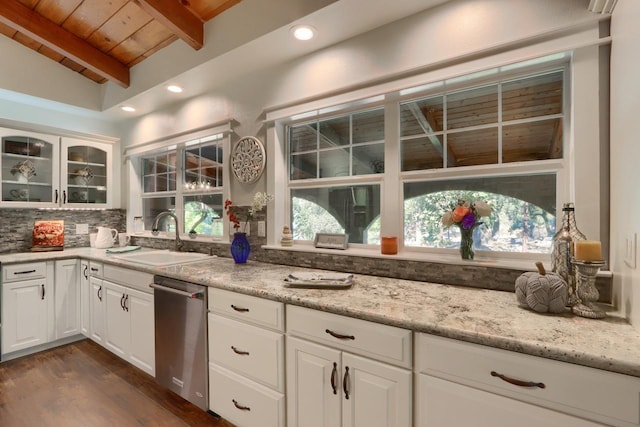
466 216
240 247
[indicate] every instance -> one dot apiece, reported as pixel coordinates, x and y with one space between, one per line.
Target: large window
500 140
187 180
326 154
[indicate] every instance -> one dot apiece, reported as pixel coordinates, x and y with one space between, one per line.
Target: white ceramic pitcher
106 237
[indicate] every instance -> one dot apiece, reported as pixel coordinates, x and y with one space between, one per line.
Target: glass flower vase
466 242
240 248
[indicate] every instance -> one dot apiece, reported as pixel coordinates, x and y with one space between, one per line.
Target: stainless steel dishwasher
181 338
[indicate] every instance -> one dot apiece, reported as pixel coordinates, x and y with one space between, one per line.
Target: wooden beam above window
177 18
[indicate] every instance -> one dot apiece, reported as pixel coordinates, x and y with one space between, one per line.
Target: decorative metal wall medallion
248 159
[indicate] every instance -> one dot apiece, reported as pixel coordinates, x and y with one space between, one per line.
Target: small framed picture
331 241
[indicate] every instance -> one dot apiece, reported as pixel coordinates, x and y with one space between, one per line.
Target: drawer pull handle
94 269
24 272
236 351
239 406
240 309
518 383
339 336
345 383
334 378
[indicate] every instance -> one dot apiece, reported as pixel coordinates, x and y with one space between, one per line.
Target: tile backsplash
16 225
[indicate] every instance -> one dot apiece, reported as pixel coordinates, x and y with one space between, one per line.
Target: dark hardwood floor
84 385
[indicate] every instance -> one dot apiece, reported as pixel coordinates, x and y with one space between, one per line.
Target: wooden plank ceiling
103 39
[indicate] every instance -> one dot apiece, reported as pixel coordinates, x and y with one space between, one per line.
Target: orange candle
389 246
588 250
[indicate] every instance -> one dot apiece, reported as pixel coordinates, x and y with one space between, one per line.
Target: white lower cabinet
67 298
445 403
328 386
26 314
244 402
129 325
503 388
85 299
96 303
246 359
40 304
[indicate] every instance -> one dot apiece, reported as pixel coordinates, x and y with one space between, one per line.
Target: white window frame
134 157
583 89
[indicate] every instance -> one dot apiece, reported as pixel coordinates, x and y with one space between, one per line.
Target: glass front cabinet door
30 172
41 170
85 172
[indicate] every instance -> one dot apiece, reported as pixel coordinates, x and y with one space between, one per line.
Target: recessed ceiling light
303 32
128 108
174 89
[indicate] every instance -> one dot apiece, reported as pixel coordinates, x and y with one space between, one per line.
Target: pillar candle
588 250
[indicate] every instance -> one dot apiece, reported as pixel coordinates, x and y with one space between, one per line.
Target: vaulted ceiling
103 39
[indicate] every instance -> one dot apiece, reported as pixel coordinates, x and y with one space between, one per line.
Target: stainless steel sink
161 258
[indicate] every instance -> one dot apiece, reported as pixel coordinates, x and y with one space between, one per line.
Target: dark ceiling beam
177 18
19 17
427 128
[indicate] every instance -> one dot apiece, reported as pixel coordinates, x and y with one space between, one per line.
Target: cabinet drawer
27 271
248 350
445 403
96 269
574 389
134 279
259 311
381 342
242 401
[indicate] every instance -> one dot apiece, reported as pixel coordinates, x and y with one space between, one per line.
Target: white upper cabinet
86 176
40 170
30 172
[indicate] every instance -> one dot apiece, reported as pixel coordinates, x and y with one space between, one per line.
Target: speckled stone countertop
475 315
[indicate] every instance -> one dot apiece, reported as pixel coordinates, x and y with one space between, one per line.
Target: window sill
480 260
183 237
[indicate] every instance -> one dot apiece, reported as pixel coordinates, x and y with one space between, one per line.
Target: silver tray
319 280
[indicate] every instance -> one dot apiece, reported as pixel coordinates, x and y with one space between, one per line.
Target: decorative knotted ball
542 292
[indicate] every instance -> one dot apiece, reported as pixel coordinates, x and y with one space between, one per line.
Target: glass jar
138 225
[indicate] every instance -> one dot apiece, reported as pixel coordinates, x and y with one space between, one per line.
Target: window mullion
391 212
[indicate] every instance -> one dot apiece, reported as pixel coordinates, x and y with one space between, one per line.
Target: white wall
453 32
625 151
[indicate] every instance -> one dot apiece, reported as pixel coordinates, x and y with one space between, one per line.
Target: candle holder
586 291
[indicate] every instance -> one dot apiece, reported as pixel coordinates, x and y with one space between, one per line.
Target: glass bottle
563 242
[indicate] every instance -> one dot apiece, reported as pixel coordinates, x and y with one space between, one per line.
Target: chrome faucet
154 228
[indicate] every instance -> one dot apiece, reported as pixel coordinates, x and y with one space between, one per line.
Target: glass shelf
30 183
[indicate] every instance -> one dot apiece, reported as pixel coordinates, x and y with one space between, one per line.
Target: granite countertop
479 316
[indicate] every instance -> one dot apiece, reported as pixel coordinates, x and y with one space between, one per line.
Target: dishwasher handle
177 291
